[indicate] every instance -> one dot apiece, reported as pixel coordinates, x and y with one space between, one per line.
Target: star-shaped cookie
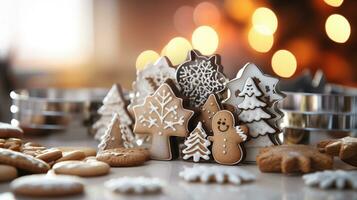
345 148
292 159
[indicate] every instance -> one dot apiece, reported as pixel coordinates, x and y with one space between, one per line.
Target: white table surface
267 186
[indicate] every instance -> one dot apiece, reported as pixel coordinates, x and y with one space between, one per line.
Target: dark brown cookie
293 159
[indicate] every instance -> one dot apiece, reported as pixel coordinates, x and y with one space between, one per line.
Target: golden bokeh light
205 39
284 63
177 49
338 28
334 3
260 42
240 10
146 57
265 21
206 13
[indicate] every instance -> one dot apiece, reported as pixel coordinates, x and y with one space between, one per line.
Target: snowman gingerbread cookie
227 139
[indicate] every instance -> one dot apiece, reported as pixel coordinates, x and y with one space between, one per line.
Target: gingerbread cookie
88 151
10 131
112 137
85 168
332 179
14 144
197 145
114 102
227 139
135 185
345 148
7 173
23 161
216 174
199 77
71 155
293 159
207 111
255 96
47 186
50 155
122 157
162 116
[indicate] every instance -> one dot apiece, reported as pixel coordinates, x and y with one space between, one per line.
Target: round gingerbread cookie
7 173
23 161
71 155
47 185
10 131
82 168
122 157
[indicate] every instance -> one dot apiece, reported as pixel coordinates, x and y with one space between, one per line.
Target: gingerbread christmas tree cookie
197 145
162 115
199 77
114 102
112 138
207 111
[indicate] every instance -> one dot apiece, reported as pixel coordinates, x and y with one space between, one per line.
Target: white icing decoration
17 155
137 185
46 182
110 133
150 78
7 126
199 77
327 179
221 174
72 164
197 145
128 136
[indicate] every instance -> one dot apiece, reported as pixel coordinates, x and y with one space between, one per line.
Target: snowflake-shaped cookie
328 179
199 77
136 185
220 175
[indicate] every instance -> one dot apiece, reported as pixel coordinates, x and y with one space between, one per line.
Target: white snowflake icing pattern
327 179
198 79
167 116
218 174
137 185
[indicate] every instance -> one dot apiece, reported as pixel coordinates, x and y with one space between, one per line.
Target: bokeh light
265 21
240 10
177 49
284 63
205 39
338 28
183 20
334 3
146 57
206 13
260 42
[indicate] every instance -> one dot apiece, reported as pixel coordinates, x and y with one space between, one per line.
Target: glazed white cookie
135 185
47 185
86 168
216 174
332 179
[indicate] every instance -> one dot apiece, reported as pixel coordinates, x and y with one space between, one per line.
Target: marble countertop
267 186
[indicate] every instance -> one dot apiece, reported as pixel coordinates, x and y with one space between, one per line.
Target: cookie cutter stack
43 110
310 117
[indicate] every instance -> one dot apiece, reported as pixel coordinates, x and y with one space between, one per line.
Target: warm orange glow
205 39
146 57
183 20
334 3
240 10
284 63
260 42
338 28
206 13
177 49
265 21
305 50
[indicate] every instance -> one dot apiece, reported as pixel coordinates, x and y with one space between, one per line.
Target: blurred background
92 43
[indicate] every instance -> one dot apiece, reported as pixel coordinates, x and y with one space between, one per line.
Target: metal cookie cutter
55 109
